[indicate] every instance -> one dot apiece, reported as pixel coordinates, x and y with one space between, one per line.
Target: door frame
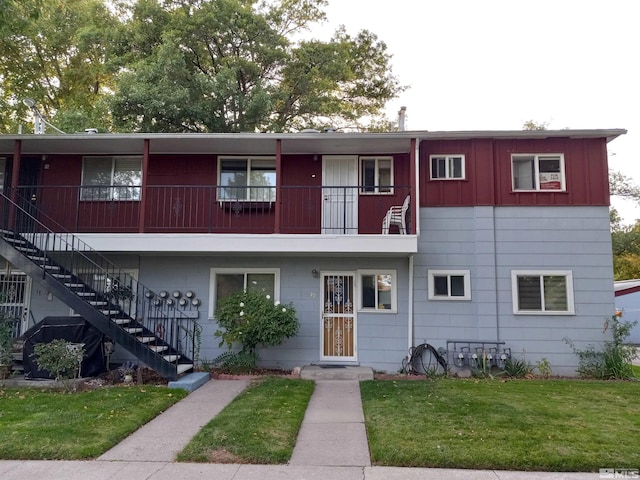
353 315
350 225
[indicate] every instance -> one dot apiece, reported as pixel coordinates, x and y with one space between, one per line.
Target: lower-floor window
549 292
449 285
377 290
225 282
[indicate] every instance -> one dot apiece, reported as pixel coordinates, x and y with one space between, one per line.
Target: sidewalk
332 445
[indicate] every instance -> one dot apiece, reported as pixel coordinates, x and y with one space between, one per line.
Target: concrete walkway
332 445
332 432
165 436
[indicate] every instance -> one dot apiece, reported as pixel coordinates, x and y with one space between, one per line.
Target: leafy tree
55 52
623 186
232 66
533 125
625 239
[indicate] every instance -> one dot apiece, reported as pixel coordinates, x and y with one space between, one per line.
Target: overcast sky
492 65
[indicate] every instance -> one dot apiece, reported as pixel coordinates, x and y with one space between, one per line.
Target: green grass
39 424
259 426
546 425
636 370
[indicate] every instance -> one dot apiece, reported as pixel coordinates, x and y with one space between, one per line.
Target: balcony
196 214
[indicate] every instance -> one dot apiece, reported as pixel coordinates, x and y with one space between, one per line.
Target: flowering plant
252 319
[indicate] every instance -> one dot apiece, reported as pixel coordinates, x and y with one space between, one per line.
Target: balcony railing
210 209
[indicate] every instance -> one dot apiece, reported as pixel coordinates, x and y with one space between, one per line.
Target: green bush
251 319
61 359
517 367
614 360
235 362
6 340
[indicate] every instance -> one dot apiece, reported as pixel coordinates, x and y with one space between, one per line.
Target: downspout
410 312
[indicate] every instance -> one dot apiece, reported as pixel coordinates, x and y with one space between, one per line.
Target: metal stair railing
154 331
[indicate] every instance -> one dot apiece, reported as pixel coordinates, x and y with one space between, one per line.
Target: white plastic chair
396 216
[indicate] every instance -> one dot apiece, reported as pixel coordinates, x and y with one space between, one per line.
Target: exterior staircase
157 334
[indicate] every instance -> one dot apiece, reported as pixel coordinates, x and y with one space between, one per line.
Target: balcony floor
387 245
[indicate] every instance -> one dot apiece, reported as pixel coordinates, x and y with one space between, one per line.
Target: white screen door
340 194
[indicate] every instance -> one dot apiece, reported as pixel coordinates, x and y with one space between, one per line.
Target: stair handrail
170 320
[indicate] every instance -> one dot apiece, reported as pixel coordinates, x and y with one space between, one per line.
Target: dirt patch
142 376
220 374
221 455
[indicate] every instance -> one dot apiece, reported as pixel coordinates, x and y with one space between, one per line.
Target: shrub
517 367
251 319
6 340
614 360
61 359
235 362
544 367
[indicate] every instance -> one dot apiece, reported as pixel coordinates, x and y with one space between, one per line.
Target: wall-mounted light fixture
314 272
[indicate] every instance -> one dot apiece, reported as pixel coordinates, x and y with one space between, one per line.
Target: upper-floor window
111 178
449 285
542 292
376 175
447 167
534 172
247 179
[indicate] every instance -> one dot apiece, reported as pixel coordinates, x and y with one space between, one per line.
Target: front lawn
546 425
39 424
259 426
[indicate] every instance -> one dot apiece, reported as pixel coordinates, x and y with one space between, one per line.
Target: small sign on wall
550 181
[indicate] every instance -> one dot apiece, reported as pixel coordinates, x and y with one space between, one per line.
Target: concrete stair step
336 372
158 348
133 329
171 358
183 367
146 339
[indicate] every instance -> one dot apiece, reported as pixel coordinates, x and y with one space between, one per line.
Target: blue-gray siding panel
494 241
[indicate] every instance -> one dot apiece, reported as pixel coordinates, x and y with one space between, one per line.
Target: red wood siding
372 208
301 209
488 173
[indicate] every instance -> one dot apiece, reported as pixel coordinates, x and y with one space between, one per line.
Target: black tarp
72 329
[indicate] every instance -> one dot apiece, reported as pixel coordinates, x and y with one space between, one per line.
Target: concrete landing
191 381
317 372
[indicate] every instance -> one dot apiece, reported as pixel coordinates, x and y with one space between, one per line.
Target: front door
340 194
338 317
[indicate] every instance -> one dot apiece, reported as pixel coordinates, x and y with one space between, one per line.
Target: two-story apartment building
382 241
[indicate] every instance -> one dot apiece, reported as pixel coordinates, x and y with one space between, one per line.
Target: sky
495 64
